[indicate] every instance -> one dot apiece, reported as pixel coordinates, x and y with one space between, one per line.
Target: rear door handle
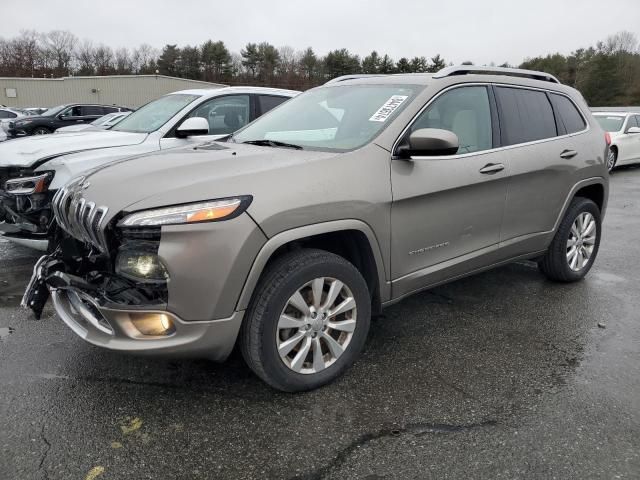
568 154
492 168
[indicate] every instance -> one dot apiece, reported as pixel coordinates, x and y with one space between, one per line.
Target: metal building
124 90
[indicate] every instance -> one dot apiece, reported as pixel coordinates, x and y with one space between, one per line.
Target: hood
28 151
184 175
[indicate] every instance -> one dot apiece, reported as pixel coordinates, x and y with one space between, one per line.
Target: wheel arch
354 240
595 188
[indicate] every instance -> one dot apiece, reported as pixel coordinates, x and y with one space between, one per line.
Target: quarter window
464 111
567 114
525 115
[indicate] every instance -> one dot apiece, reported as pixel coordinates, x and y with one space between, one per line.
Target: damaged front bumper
134 329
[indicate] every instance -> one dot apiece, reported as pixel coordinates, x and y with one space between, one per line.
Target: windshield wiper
273 143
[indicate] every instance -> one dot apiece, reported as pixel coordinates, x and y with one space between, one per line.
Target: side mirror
193 126
634 130
429 142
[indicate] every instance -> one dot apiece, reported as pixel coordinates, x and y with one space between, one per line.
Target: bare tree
85 56
59 46
123 61
103 60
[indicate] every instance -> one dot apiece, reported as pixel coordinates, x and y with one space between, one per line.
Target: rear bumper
113 329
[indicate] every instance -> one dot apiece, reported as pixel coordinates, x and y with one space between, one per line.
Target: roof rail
354 77
513 72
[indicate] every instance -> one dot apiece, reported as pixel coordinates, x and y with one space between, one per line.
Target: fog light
153 324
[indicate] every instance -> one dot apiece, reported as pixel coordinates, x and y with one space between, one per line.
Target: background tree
309 64
371 63
216 61
168 60
251 58
188 62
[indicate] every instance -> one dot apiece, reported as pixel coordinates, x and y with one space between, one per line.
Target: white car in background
624 129
102 123
33 168
8 115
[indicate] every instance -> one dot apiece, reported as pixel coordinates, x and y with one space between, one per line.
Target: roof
228 90
460 71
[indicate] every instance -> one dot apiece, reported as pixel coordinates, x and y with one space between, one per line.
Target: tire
41 131
612 159
558 263
263 332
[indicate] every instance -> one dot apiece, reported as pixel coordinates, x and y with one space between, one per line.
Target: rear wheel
307 322
41 131
612 158
575 245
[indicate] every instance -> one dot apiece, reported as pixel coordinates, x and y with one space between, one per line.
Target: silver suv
287 237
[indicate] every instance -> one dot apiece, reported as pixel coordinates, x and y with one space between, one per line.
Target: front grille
81 219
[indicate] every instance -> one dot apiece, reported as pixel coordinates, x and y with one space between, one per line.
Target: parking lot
500 375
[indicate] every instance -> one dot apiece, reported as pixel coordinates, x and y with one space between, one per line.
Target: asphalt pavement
500 375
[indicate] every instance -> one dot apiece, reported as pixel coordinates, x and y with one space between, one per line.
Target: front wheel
307 322
41 131
575 245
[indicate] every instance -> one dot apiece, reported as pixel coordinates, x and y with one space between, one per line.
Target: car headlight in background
209 211
29 185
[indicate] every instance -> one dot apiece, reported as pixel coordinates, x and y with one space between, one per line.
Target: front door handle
492 168
568 154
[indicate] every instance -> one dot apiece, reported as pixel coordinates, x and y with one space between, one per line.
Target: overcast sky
480 31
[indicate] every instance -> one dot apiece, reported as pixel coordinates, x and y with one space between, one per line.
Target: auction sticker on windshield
388 108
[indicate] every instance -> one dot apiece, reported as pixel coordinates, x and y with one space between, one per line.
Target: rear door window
568 116
268 102
525 115
92 111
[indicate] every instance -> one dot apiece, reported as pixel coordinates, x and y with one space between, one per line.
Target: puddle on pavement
5 332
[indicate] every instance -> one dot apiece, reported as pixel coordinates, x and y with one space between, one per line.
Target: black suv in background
61 116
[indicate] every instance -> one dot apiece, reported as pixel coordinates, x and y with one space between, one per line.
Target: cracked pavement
500 375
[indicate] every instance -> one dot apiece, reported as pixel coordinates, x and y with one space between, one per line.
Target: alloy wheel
611 160
316 325
581 241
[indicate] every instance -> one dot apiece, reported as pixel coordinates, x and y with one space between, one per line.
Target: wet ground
502 375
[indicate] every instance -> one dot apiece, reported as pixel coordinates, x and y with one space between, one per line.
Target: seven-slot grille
81 219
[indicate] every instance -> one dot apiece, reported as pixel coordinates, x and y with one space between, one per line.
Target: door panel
543 172
445 207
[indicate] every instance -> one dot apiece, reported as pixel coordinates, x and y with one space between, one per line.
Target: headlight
140 261
210 211
29 185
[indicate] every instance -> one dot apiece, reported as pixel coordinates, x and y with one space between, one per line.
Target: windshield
334 118
104 119
54 111
154 115
610 123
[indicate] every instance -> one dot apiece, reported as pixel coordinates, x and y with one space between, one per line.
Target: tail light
607 138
